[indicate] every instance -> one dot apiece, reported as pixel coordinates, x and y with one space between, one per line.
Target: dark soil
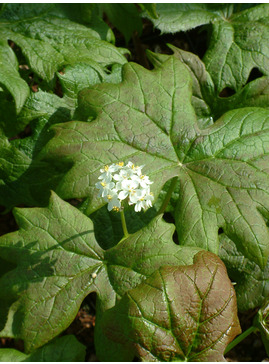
195 41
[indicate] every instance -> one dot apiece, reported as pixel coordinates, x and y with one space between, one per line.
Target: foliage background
49 54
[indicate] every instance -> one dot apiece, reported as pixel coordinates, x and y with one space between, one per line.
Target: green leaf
23 179
63 349
184 313
222 170
208 105
125 17
12 355
243 43
261 321
73 79
80 76
56 253
88 15
44 104
238 42
13 91
51 41
181 17
10 77
252 283
59 262
150 9
127 124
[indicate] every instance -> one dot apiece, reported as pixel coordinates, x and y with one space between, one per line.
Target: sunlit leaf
184 313
149 119
59 262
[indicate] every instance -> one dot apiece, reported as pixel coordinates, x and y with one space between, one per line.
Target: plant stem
168 196
123 223
239 338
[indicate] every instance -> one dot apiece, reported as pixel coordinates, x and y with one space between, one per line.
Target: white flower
104 187
144 200
136 169
107 172
124 174
128 187
140 205
119 182
142 180
135 196
113 202
148 199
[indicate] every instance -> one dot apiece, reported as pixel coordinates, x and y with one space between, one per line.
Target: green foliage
24 179
57 257
118 13
238 41
63 349
261 321
207 102
10 77
177 17
150 9
212 164
70 103
178 314
252 282
48 41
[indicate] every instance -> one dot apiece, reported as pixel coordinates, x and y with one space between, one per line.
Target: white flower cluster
119 182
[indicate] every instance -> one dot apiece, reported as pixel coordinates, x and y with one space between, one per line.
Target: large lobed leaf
178 314
55 252
48 41
58 262
208 105
238 41
24 179
149 119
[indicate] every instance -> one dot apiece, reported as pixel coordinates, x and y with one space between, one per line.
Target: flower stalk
123 223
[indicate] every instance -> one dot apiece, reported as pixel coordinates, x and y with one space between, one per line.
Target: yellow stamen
106 168
103 184
115 208
121 164
109 197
